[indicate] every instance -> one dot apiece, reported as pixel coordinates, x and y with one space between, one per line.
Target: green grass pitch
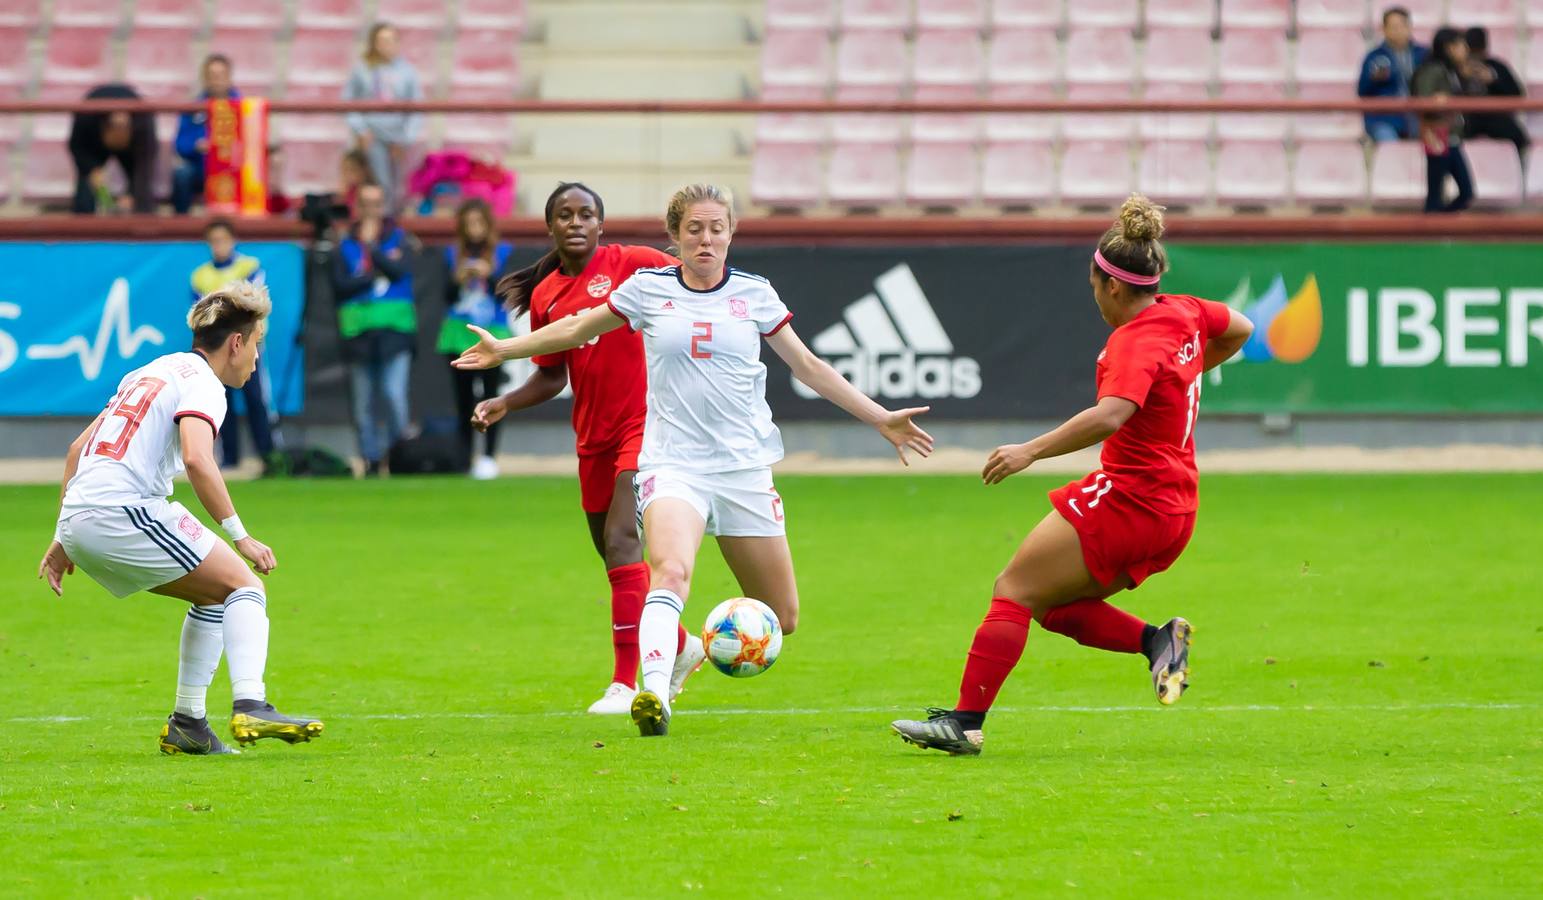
1366 716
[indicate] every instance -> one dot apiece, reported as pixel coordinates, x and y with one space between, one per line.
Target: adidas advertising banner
1369 328
75 318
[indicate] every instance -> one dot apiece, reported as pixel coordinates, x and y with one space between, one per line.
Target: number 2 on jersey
132 407
702 332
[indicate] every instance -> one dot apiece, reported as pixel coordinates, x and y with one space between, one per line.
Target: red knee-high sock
629 585
1094 623
996 649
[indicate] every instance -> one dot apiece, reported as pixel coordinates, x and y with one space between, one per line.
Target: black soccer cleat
649 714
251 721
941 731
193 737
1169 656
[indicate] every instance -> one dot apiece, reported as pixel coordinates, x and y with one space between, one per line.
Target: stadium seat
942 175
1019 127
249 15
1274 15
1100 56
1497 173
871 59
800 14
1348 14
1103 13
867 128
1496 14
950 58
48 172
311 167
1175 126
1099 125
76 60
1095 172
1328 56
329 15
311 129
1327 125
785 174
1252 56
15 63
51 128
1535 183
478 129
24 16
863 175
420 14
1251 172
1178 55
253 65
1425 15
1023 57
319 63
1018 174
1398 174
1532 13
876 15
1026 14
88 13
1252 126
1330 173
970 14
161 62
946 127
421 47
492 15
795 59
169 14
484 65
795 128
1175 172
1181 14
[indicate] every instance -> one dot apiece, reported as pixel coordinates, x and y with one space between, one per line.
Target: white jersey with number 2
131 457
707 409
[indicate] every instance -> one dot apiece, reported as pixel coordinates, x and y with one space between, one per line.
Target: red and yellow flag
236 166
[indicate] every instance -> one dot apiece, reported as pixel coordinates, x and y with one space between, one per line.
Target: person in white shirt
118 525
709 440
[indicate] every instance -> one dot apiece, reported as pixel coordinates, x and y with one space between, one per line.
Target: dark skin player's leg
615 531
1048 569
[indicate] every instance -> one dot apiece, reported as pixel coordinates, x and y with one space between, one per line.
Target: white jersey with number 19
707 409
135 451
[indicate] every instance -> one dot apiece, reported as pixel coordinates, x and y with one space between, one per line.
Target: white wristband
233 528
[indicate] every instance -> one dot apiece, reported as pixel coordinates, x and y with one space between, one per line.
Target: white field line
876 710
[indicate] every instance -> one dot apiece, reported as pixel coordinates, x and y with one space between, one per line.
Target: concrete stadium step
634 139
668 78
677 26
627 189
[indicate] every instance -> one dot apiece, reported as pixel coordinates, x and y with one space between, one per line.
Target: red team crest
599 286
738 308
190 527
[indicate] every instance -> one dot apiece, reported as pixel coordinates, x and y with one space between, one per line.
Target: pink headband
1117 272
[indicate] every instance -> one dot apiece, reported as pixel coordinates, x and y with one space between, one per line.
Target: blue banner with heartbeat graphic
76 318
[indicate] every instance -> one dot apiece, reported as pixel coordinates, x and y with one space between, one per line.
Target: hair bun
1141 219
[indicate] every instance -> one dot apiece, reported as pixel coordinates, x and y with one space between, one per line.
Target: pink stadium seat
319 62
495 15
333 15
247 14
1103 13
1326 125
942 175
1398 174
1025 14
26 16
478 128
422 14
1178 55
15 62
1497 173
484 65
1252 126
946 127
785 175
1504 44
1181 14
795 14
951 58
93 13
1021 127
1495 14
48 172
951 13
1329 56
1099 125
1330 173
1532 13
161 63
1100 56
794 128
77 59
1175 126
51 128
420 46
863 175
1175 172
871 59
311 129
1253 56
1535 185
867 128
795 59
1425 15
1023 57
878 15
1018 174
1251 172
169 14
1348 14
1263 14
1095 172
252 60
311 167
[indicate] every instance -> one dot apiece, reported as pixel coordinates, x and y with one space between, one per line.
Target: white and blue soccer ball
742 637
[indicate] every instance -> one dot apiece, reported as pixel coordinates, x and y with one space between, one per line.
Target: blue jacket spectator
187 180
1386 72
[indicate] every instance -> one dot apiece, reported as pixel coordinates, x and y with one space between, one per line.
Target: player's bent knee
671 575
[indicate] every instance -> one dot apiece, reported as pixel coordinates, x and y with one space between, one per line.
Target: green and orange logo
1285 329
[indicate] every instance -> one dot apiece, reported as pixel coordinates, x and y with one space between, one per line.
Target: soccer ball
742 637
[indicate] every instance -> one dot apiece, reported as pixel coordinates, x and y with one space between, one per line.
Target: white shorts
128 549
733 504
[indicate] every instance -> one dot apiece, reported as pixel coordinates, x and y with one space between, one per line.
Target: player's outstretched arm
1222 347
896 426
56 563
543 384
564 334
197 438
1085 429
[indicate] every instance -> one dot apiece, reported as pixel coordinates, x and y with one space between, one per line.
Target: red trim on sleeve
205 416
617 313
785 320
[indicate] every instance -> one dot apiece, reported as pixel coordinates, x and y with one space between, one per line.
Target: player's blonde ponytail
675 213
236 307
1133 242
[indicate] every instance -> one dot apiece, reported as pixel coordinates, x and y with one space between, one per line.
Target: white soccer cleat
484 468
687 661
616 701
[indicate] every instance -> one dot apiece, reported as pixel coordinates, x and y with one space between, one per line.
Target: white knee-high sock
657 631
199 655
246 642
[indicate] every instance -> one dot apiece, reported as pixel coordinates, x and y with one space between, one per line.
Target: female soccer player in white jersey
116 523
709 441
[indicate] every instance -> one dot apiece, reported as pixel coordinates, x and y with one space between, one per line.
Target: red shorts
1120 536
597 472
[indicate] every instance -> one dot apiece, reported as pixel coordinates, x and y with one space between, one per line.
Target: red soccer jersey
609 379
1155 361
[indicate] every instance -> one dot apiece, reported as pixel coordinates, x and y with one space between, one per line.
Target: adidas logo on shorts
892 345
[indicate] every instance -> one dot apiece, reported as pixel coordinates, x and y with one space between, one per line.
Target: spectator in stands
377 320
97 138
279 201
353 173
1486 76
385 137
1386 72
472 264
1442 132
225 265
187 180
